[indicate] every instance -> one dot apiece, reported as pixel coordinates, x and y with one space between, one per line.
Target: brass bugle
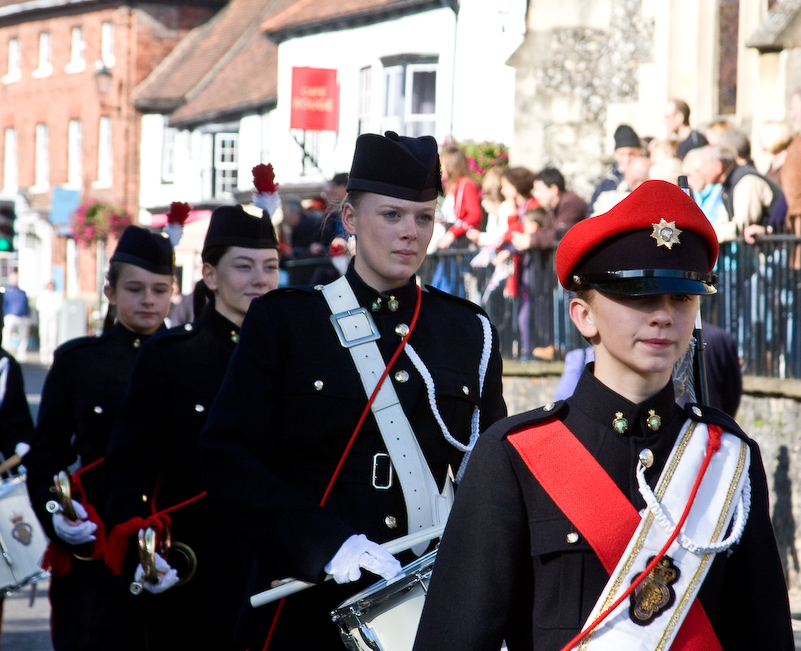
178 555
61 483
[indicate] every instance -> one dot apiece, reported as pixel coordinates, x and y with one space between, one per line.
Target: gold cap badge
666 234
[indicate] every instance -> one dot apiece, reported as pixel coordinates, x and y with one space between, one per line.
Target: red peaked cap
655 241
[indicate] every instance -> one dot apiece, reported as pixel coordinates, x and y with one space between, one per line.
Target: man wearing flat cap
627 146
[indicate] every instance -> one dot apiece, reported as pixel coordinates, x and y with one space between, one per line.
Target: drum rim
408 574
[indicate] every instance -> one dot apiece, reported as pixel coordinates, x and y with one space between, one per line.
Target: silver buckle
389 473
350 326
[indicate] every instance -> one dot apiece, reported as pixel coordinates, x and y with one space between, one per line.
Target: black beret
232 226
625 136
396 166
143 248
655 241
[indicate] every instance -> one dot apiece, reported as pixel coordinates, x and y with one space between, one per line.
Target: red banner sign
315 100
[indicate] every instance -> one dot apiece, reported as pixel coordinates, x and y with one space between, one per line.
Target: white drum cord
432 396
740 517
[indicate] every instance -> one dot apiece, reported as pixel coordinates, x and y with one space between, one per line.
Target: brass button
200 409
401 330
188 327
572 538
391 521
697 411
98 409
647 458
466 390
318 385
549 407
402 376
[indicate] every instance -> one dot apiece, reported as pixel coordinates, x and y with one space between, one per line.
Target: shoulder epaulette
291 289
714 416
78 342
528 419
462 301
184 330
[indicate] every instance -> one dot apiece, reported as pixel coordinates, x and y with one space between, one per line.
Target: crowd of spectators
523 211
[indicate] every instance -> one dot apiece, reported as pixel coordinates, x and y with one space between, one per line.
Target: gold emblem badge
655 594
666 234
22 531
619 423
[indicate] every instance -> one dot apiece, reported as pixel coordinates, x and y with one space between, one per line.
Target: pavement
26 612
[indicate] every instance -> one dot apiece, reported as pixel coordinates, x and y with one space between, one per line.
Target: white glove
22 449
268 201
359 552
74 532
168 577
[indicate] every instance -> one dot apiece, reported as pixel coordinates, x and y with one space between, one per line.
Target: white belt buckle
354 327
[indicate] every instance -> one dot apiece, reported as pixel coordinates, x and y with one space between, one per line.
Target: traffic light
7 216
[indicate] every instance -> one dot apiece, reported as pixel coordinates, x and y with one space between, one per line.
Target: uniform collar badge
666 234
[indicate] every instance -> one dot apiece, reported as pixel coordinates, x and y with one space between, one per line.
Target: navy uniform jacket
16 424
173 385
506 570
91 608
80 399
287 407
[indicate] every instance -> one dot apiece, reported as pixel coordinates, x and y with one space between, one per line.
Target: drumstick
393 547
8 464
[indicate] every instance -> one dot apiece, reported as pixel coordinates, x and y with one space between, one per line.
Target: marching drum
22 539
385 616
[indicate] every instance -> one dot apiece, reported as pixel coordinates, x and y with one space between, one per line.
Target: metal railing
758 301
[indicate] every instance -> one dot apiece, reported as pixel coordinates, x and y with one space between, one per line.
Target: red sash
594 503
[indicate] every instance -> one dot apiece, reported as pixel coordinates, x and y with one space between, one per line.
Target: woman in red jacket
462 207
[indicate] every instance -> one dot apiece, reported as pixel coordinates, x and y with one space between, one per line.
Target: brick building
68 129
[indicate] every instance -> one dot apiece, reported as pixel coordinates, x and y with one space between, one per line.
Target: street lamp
103 81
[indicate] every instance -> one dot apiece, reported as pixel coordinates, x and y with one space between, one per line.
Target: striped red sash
594 504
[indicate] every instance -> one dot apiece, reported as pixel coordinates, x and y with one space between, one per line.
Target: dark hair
340 179
201 294
682 107
551 176
521 178
112 278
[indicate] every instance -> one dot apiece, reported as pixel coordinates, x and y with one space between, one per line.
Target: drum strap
618 535
425 507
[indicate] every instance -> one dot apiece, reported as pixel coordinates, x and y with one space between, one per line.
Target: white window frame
105 154
412 118
75 154
41 181
168 152
107 58
398 100
226 163
14 73
392 119
10 162
45 68
365 97
77 52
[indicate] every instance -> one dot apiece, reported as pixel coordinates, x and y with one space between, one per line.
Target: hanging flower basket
94 221
482 155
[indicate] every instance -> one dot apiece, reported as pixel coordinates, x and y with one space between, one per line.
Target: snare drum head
383 588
